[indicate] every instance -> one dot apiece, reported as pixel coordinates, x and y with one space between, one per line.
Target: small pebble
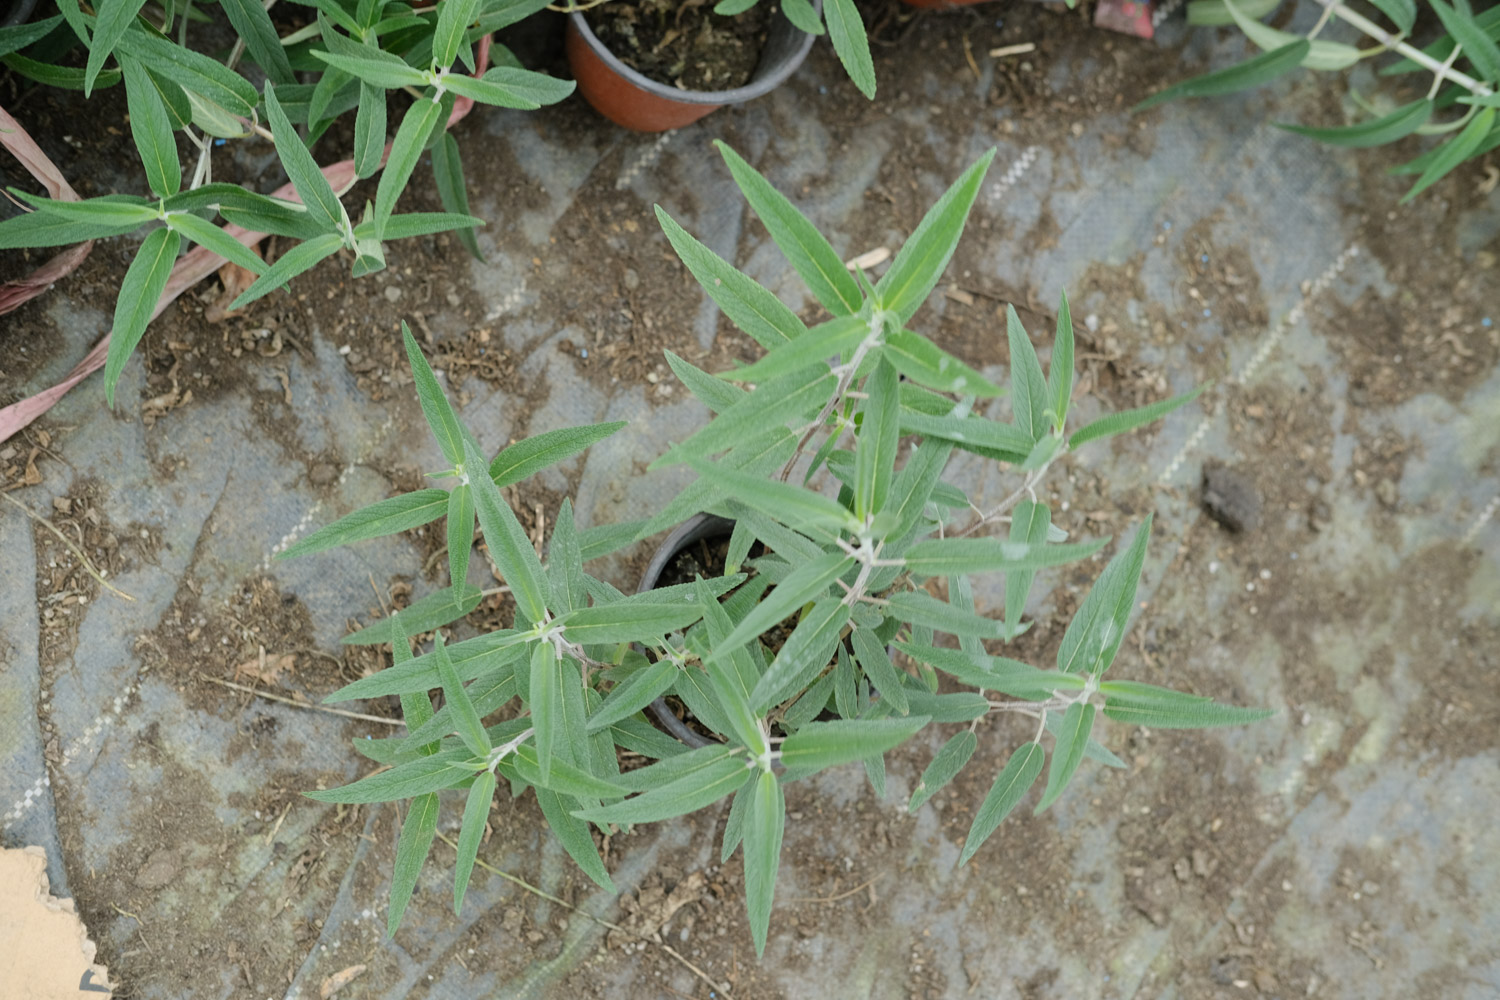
392 293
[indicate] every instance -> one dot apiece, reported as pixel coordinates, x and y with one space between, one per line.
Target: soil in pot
684 45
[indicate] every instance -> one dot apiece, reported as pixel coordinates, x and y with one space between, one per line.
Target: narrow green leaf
807 582
838 336
195 72
791 505
879 440
151 129
604 539
509 87
1453 152
1126 420
773 403
747 304
1403 13
915 483
804 247
925 255
454 17
1321 55
640 690
803 15
1067 753
734 826
612 623
448 174
431 612
404 781
804 654
923 362
573 834
877 665
507 541
944 768
302 257
1029 394
1477 46
44 229
1204 13
460 534
1251 73
466 719
1060 368
820 745
709 390
417 832
525 458
312 187
369 129
216 240
1029 525
115 17
946 556
383 69
565 778
14 38
1134 703
765 820
689 793
565 562
384 517
847 32
476 815
960 706
1098 627
406 148
144 282
107 211
1388 128
1013 782
253 24
545 699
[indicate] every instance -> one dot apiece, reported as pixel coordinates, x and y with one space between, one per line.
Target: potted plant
648 71
780 647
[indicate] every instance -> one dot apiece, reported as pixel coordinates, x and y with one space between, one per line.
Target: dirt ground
1337 851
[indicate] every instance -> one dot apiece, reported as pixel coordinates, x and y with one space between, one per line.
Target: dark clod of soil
684 45
1230 497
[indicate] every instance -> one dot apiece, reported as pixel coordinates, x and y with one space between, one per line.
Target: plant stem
1416 55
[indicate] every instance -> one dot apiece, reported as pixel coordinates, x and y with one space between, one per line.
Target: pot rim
758 86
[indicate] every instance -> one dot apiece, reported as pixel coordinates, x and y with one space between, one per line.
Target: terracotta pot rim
760 84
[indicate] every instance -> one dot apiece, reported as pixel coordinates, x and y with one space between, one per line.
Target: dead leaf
339 980
266 669
235 280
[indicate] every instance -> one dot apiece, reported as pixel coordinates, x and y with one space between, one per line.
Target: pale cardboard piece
45 952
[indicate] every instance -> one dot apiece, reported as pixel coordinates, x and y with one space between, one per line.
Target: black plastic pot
695 529
16 12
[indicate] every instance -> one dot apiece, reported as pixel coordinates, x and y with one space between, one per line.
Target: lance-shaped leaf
115 17
406 148
877 665
565 778
765 820
476 814
300 258
923 362
465 719
802 14
772 404
804 654
509 87
837 337
1010 785
734 826
487 694
879 440
602 539
372 65
960 706
925 255
1093 750
573 834
253 24
820 745
944 768
417 832
921 608
565 562
448 175
1403 13
846 29
1060 367
151 129
627 622
914 485
711 391
1455 151
435 406
946 556
545 699
527 457
641 689
762 453
384 517
1478 47
193 71
1321 55
1029 524
732 674
433 611
426 774
45 229
1098 626
1377 132
1029 397
460 534
454 16
144 282
1252 73
747 304
678 765
1125 420
206 234
507 541
804 247
1134 703
1067 753
15 37
689 793
791 505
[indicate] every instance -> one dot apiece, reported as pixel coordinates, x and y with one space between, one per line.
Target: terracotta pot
637 102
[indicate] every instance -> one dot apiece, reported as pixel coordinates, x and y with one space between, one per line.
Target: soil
684 45
1192 848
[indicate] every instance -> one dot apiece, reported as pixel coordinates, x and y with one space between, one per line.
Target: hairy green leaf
1010 785
476 814
944 768
144 282
151 129
765 820
1388 128
820 745
1067 753
417 832
1251 73
925 255
1126 420
1098 627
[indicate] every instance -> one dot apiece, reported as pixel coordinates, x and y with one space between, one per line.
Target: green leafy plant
1460 104
354 52
855 575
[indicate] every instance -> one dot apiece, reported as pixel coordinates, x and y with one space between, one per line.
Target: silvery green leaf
925 255
427 774
734 826
689 793
1126 420
804 247
1093 750
920 607
960 706
846 29
417 832
1010 785
879 441
375 66
944 767
509 547
627 622
1321 55
835 338
639 736
772 404
476 815
632 695
1450 154
1251 73
1067 753
877 665
454 17
1388 128
926 364
302 257
151 129
1029 396
1030 524
820 745
765 820
460 534
1093 636
488 693
545 700
791 505
1134 703
573 834
805 653
115 18
253 24
465 719
511 87
471 658
946 556
406 148
807 582
1060 367
142 287
433 611
811 703
564 777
